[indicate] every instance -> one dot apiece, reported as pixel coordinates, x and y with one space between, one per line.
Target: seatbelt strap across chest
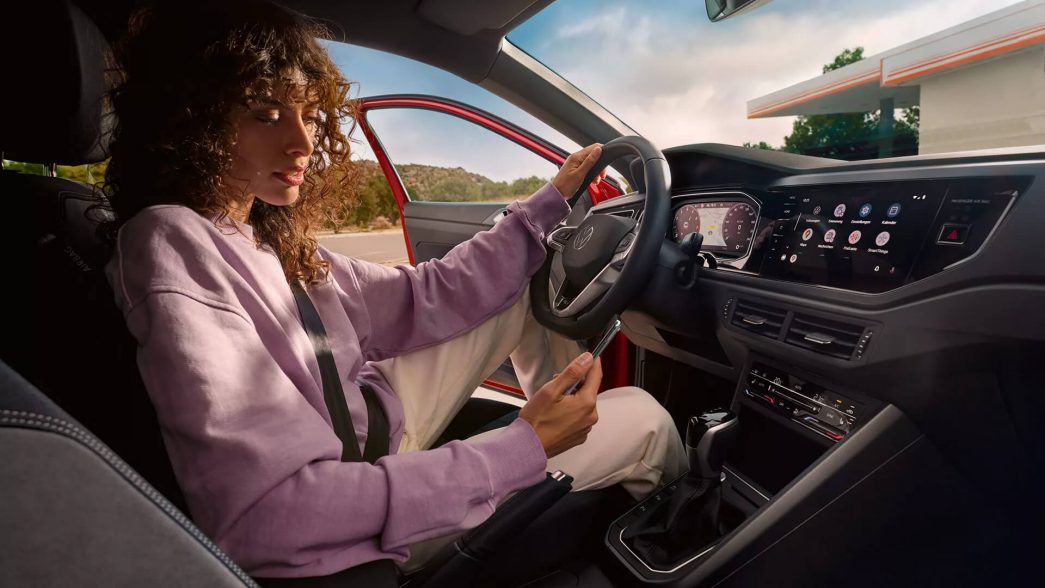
334 396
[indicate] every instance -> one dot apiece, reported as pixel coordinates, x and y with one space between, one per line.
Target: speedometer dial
687 220
738 227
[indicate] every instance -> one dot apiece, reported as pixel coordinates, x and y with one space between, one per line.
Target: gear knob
709 437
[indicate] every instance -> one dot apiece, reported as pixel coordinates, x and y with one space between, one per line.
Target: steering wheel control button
560 237
625 243
953 234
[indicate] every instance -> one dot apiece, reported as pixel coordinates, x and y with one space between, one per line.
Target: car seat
68 338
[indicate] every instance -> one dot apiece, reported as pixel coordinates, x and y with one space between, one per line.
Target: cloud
609 22
682 80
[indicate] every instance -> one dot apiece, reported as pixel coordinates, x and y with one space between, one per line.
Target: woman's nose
300 138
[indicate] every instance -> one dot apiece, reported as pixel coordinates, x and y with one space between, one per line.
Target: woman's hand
576 166
561 421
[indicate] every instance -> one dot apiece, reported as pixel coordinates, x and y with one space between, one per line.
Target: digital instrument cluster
727 225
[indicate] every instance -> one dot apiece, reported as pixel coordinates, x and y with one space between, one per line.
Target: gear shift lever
676 528
708 438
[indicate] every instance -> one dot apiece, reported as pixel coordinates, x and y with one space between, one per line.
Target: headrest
54 99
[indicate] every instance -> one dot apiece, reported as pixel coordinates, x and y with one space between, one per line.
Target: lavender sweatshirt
237 388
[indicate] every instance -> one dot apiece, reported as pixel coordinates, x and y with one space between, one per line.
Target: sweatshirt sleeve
413 307
260 467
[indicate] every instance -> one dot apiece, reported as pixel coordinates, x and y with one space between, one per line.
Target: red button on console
952 234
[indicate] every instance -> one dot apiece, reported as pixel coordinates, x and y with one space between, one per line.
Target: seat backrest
64 333
74 514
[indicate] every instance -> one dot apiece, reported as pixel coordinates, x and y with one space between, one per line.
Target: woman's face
275 136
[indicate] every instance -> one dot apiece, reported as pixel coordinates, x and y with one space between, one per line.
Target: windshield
850 80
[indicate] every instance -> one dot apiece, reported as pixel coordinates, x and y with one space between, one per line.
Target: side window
91 173
443 158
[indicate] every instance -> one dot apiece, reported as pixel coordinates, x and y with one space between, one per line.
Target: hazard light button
952 234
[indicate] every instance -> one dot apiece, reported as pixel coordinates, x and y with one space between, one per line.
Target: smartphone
607 337
604 341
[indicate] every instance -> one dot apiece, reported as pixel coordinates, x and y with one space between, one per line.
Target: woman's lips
291 179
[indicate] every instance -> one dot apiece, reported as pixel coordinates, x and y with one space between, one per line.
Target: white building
980 84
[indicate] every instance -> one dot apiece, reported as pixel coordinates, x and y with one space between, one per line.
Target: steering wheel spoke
565 306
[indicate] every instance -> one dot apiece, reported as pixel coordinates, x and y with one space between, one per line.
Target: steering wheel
606 259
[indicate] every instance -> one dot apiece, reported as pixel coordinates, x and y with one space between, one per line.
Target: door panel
434 228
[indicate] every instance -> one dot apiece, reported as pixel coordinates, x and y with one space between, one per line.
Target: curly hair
181 72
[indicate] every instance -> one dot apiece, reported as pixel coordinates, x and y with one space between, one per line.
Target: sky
661 67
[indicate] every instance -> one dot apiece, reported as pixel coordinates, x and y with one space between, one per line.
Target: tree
759 145
91 173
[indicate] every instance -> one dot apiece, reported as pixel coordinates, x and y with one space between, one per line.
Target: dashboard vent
759 317
826 336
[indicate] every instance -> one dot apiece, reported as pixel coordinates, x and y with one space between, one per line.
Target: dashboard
879 261
867 237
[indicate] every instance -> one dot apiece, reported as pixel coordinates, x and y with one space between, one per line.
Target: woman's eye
267 117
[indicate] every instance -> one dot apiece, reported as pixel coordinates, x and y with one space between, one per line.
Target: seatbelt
377 423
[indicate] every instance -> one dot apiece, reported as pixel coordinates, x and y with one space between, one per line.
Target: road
384 247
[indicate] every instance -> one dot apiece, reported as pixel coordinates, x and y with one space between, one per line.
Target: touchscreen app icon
854 237
882 239
829 236
893 210
865 210
807 234
817 209
840 210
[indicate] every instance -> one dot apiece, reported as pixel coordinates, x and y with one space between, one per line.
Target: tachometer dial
687 220
738 227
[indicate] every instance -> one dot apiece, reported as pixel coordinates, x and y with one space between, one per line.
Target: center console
784 422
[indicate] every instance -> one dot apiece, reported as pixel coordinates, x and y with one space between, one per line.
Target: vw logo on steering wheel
583 238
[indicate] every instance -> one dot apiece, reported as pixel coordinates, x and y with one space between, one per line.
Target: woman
228 140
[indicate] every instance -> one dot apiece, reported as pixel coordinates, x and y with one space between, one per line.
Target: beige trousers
634 443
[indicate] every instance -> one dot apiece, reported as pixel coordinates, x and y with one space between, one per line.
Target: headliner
459 36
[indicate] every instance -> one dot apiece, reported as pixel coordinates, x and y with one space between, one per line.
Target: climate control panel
812 406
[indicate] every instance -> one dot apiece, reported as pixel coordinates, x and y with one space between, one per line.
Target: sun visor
467 17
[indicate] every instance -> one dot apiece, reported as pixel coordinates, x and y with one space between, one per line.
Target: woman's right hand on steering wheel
563 421
575 168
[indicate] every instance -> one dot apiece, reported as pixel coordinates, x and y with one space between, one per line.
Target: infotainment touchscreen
857 237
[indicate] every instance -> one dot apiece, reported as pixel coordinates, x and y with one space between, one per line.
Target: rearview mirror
723 9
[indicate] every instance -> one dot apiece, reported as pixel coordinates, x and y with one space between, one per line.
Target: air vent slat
760 318
826 336
821 334
831 327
